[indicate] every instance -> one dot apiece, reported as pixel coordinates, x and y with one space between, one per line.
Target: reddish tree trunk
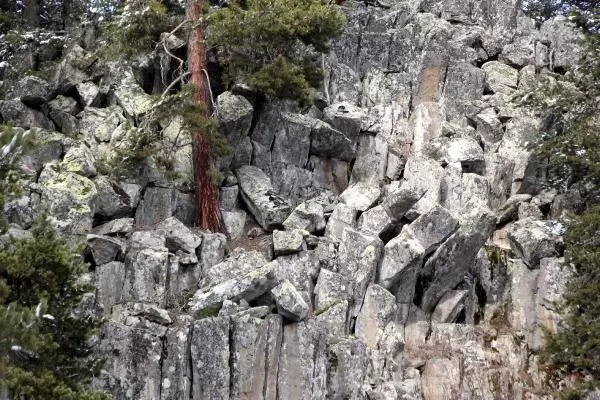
208 214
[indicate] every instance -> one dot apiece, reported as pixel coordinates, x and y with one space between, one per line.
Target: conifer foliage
274 45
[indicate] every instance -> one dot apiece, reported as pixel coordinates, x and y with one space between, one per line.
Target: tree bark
208 214
31 11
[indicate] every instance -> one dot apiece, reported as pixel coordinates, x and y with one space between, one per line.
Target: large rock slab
269 209
456 255
531 240
210 359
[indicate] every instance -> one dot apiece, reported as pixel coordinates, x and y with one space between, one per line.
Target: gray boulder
23 116
210 358
290 303
269 209
180 240
105 249
287 242
331 288
308 216
361 196
32 91
377 310
531 240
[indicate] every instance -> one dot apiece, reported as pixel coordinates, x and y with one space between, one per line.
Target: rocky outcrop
392 240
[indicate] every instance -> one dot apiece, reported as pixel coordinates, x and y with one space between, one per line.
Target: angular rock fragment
210 359
180 240
377 310
331 288
248 286
105 248
450 306
343 217
290 303
287 242
532 240
361 196
308 216
268 208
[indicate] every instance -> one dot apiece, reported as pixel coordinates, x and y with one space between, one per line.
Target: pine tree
275 45
571 143
45 350
208 215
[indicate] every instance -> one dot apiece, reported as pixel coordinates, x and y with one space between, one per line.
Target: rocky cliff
393 241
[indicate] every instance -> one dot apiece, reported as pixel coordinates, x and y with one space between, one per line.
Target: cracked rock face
390 242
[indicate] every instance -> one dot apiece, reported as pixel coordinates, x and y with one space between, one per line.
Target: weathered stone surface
343 217
552 284
331 288
120 226
292 141
255 348
402 255
375 221
439 379
347 366
359 255
112 201
32 90
307 216
68 197
133 357
156 205
361 196
290 303
110 279
180 240
130 96
399 201
296 362
213 249
455 256
79 160
268 208
378 308
238 263
23 116
210 359
450 306
287 242
146 265
467 152
234 221
500 78
228 198
329 142
532 240
100 124
346 118
176 371
247 286
105 248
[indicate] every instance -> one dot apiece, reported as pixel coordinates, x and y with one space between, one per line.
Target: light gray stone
361 196
378 309
287 242
307 216
234 221
331 288
532 240
268 208
180 240
290 303
450 306
210 359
